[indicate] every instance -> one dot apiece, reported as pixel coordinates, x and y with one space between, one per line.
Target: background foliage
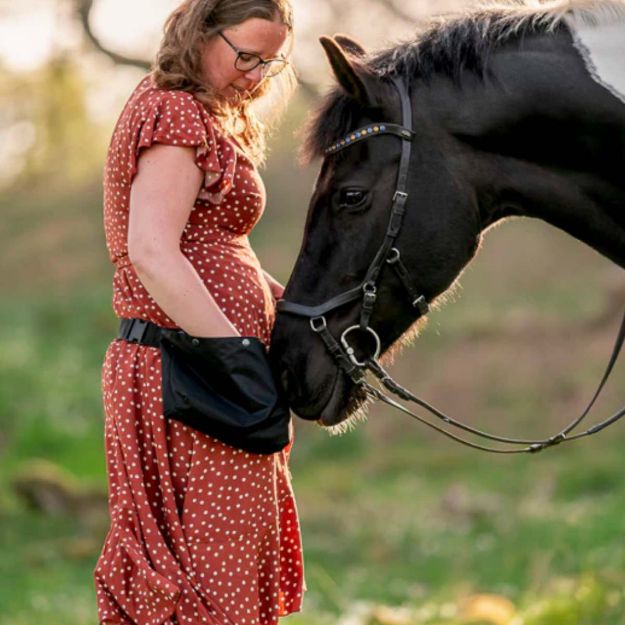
400 527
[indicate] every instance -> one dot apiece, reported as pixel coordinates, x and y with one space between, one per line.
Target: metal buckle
370 295
318 328
402 194
350 350
369 300
421 304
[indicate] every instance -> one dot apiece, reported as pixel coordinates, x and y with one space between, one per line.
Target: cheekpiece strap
370 131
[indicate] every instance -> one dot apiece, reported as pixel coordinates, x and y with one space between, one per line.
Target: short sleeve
176 118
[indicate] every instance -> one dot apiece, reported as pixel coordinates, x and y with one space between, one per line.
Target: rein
389 255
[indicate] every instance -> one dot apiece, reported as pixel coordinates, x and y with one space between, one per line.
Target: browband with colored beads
370 131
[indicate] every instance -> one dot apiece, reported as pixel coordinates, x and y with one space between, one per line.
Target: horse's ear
351 76
350 45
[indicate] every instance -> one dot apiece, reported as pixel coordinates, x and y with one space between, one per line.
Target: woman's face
259 36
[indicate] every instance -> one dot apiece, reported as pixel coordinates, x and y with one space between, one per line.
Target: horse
515 109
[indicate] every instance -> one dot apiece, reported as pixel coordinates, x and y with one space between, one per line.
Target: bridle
389 255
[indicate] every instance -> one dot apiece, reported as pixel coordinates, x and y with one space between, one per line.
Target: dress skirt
200 532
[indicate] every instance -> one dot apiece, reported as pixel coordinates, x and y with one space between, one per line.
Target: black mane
449 47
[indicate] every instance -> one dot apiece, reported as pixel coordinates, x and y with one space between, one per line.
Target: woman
200 532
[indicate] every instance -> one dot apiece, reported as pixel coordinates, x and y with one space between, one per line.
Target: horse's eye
351 198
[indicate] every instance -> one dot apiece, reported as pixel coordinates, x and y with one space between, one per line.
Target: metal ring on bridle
393 257
350 350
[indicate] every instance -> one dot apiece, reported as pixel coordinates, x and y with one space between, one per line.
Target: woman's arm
163 194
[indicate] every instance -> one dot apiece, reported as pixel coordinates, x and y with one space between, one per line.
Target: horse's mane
450 45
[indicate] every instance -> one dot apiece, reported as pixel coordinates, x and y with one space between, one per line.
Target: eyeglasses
247 61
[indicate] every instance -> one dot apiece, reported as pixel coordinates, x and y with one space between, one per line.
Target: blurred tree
83 11
338 11
46 125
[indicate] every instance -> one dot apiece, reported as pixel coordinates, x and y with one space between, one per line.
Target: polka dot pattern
230 203
200 532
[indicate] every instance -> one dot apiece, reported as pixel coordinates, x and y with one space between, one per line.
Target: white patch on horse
600 39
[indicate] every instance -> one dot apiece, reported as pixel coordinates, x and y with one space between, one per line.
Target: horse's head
347 220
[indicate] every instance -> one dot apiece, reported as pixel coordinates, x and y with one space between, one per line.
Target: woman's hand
277 290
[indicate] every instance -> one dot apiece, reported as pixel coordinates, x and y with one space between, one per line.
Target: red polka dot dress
200 532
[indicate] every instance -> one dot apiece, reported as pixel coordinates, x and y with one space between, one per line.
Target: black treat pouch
224 387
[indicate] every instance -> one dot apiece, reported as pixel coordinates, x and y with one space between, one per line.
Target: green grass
390 515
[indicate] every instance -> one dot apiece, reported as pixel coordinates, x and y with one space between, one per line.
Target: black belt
221 386
140 331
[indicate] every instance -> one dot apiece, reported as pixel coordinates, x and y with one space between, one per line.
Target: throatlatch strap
417 300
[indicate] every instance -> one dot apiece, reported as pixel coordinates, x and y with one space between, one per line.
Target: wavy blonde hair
178 65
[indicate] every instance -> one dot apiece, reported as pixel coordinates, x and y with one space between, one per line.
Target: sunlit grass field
400 527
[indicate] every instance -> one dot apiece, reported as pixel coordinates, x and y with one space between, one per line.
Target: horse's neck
545 139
